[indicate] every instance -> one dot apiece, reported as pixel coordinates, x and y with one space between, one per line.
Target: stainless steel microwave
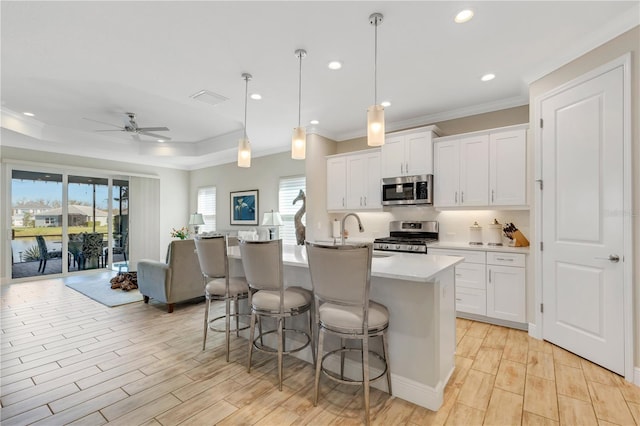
407 190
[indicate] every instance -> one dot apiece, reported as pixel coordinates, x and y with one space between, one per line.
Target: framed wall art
244 207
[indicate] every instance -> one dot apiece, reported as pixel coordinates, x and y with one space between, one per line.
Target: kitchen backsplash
454 225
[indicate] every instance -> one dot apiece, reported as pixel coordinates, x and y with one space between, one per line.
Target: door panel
582 224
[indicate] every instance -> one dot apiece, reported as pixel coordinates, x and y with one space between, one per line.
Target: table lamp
272 219
196 220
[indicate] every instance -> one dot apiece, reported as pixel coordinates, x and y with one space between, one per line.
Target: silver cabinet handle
456 199
504 259
612 258
342 201
492 192
360 200
489 275
406 168
365 200
459 300
461 197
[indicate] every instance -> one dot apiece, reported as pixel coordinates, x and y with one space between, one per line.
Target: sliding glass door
67 222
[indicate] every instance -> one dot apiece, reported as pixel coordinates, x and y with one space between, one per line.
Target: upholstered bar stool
341 279
268 298
214 264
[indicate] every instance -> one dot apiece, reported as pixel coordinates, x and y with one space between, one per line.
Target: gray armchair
177 280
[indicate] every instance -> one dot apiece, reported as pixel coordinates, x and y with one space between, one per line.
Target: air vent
209 97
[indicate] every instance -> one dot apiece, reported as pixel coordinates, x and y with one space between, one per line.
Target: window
207 207
289 190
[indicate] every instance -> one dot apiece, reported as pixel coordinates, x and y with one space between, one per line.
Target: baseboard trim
533 331
636 376
496 321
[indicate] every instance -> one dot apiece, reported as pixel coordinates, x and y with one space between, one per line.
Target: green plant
31 254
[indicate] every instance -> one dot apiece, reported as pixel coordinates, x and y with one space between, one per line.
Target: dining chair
43 253
268 298
341 281
214 264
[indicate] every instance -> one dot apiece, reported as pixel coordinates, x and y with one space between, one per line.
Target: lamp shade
298 143
244 153
272 219
196 219
375 125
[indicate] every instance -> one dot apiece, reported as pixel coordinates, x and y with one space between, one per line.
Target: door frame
627 255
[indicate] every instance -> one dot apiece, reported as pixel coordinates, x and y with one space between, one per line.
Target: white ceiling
71 61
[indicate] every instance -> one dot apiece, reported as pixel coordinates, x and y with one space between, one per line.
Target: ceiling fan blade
136 137
110 130
153 129
102 122
153 135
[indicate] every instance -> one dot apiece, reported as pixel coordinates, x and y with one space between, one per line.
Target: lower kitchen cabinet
491 285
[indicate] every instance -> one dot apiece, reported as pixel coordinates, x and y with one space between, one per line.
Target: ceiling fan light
244 153
375 125
298 143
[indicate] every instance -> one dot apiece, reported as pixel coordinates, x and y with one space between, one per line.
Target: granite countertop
484 247
400 266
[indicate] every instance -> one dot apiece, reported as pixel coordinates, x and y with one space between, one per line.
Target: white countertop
484 247
401 266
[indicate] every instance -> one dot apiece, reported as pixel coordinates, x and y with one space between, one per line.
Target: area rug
100 291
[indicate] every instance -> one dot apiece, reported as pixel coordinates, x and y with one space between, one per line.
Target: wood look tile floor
69 360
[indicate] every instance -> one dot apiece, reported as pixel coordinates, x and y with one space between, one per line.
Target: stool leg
252 331
311 337
280 349
365 375
318 367
226 324
343 346
385 348
235 307
206 322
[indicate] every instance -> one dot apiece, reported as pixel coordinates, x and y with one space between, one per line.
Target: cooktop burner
411 237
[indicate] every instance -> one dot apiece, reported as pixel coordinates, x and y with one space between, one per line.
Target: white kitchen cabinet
336 183
470 280
461 172
408 153
489 284
508 171
477 169
353 181
506 290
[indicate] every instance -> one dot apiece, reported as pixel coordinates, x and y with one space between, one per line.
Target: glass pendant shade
299 143
244 153
375 125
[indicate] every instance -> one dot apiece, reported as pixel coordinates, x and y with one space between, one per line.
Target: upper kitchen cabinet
409 152
508 171
461 175
353 181
481 169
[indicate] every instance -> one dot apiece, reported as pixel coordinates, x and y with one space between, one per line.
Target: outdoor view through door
48 237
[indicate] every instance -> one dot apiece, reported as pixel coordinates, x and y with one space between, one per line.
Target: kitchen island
419 291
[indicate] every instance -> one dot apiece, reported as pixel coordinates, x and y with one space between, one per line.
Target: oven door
397 193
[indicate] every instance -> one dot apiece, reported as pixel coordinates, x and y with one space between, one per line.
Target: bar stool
214 264
268 298
341 280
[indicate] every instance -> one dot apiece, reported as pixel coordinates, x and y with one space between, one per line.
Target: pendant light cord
375 65
246 99
299 89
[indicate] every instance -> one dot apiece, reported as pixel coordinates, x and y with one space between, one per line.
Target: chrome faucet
360 227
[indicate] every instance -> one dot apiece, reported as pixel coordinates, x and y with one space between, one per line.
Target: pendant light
375 113
299 138
244 146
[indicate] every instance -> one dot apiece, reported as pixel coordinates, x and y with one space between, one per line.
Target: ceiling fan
131 126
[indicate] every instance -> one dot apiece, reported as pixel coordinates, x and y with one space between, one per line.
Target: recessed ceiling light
314 122
335 65
161 140
488 77
29 114
464 16
256 96
385 103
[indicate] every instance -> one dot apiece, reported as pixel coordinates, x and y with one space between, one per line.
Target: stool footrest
231 329
264 348
347 381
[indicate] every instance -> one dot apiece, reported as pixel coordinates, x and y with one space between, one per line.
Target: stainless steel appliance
408 236
407 190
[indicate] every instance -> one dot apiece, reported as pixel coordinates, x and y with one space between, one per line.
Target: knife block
519 240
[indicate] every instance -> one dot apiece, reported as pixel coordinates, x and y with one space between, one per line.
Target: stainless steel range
408 236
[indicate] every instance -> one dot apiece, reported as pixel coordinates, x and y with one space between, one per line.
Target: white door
373 183
336 183
508 168
418 154
582 220
356 181
393 157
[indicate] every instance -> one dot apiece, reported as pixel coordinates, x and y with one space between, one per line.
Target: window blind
207 207
289 189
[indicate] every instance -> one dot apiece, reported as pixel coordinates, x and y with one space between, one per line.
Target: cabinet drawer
470 256
471 300
506 259
471 275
